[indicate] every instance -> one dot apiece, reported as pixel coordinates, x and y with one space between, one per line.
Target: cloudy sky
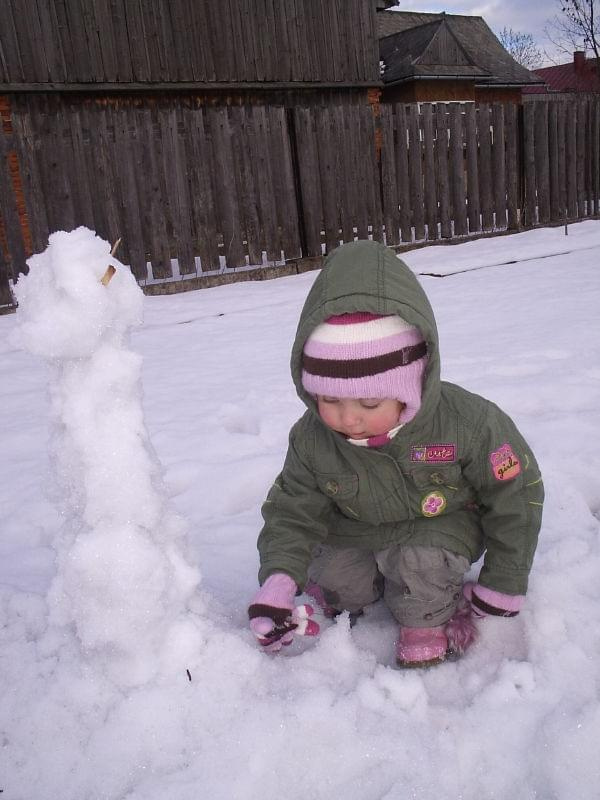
523 17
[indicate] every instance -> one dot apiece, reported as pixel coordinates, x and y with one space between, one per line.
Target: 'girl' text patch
505 464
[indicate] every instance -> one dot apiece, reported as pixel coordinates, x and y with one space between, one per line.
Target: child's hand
487 602
273 616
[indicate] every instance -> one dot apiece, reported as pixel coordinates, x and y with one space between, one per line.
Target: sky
523 17
140 436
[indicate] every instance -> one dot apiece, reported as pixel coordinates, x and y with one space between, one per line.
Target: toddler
394 482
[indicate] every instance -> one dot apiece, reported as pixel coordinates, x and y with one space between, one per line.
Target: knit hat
363 355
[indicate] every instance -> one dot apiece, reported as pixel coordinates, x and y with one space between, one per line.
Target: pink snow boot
421 647
461 630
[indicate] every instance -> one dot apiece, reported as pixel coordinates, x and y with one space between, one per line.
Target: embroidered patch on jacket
433 504
505 464
433 453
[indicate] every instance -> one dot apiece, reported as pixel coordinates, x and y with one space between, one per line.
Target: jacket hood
367 276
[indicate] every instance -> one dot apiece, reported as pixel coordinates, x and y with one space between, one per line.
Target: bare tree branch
576 27
521 46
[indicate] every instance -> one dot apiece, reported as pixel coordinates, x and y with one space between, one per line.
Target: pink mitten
487 602
273 616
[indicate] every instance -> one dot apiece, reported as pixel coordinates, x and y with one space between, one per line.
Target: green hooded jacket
459 475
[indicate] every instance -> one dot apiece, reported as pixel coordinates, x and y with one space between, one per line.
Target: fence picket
415 169
441 162
431 204
485 166
473 205
389 181
499 166
457 171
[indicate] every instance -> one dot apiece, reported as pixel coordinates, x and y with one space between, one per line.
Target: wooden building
177 124
430 57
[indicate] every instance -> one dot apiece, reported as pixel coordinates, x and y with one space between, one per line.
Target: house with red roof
579 76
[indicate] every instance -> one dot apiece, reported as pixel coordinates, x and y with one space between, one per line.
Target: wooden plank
290 227
542 165
457 171
218 31
473 205
282 37
50 34
553 163
360 203
529 166
151 180
201 59
6 297
113 164
9 214
402 172
562 161
31 39
24 45
484 137
63 41
571 157
177 189
92 35
243 134
327 158
442 169
589 160
82 183
283 181
372 167
27 147
138 42
389 182
511 127
128 160
415 169
58 163
227 196
264 179
349 150
430 187
596 155
499 166
117 22
310 187
11 65
199 158
94 167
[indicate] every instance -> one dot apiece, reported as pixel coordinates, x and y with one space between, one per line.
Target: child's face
359 419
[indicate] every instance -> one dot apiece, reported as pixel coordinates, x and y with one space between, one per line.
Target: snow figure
123 580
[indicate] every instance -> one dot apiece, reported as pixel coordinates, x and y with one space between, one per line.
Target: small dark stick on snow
189 674
110 270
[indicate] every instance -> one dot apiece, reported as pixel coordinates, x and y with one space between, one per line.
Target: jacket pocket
449 477
342 488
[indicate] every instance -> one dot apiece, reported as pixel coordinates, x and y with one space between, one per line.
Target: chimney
579 60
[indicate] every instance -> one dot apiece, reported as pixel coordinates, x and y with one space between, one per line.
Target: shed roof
415 45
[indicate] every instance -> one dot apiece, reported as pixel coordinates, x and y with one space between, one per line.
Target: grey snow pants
420 585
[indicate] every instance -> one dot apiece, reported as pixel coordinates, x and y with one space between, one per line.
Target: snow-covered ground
517 718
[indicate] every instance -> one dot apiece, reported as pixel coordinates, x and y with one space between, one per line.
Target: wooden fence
195 190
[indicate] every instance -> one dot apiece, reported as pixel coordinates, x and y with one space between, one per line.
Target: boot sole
418 664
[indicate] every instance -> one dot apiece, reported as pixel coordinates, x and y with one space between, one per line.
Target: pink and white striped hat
364 356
